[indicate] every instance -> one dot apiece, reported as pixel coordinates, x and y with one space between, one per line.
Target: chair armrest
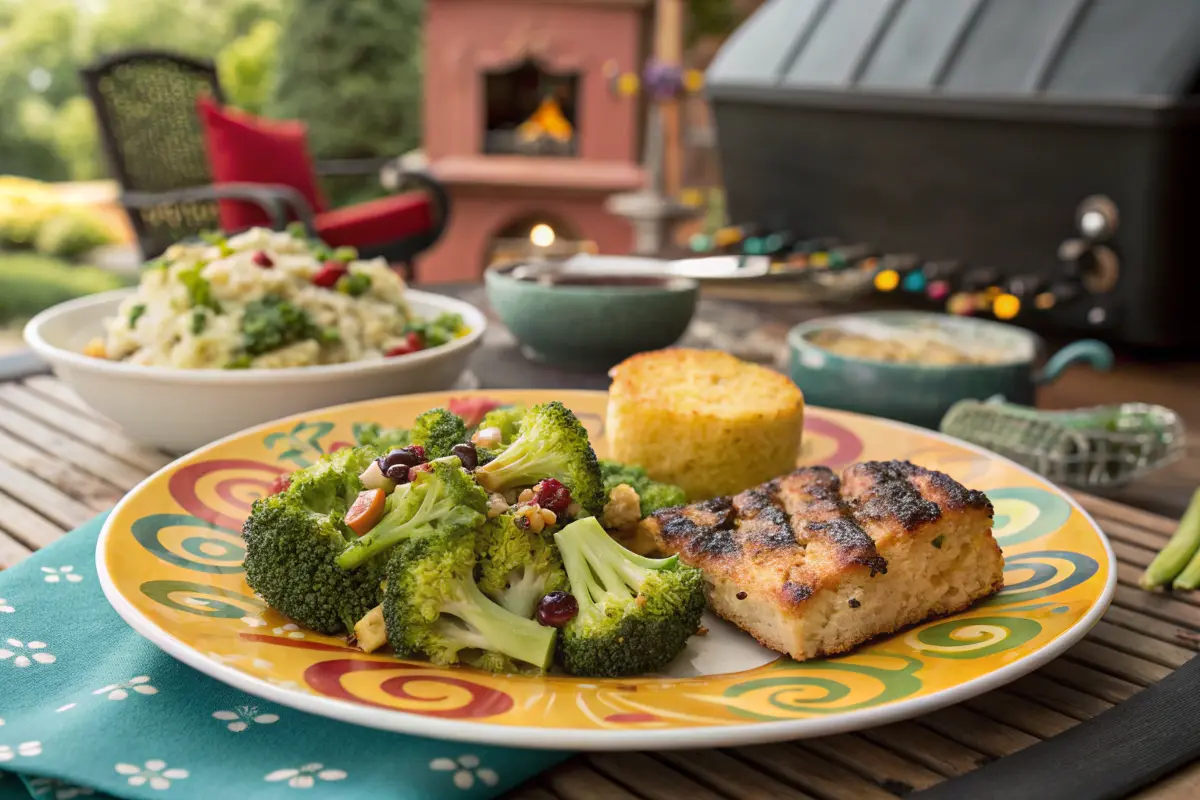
274 199
394 176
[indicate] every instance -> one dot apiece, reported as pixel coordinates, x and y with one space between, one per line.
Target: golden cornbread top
706 383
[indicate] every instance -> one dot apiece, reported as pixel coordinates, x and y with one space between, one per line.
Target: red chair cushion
387 219
243 148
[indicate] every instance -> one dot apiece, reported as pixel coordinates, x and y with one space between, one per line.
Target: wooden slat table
60 464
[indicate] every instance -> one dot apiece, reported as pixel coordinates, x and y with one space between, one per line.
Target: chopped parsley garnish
354 284
199 321
199 289
135 314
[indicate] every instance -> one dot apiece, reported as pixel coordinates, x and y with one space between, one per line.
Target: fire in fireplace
530 111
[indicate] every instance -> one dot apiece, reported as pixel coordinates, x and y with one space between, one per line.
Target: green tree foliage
247 66
47 129
352 72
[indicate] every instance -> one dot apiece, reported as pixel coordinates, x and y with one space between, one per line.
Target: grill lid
1114 53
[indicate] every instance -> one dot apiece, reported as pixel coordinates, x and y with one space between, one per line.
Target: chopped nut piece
641 600
548 516
525 496
702 631
371 631
624 507
487 437
497 505
530 518
573 510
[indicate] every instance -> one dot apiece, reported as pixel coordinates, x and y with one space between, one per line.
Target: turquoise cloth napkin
89 707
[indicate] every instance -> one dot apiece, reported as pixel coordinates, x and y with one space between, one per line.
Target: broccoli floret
517 567
433 608
441 500
271 322
507 419
377 435
652 494
293 540
635 613
438 430
552 444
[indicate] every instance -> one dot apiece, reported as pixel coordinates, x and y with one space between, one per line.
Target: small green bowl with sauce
1002 362
590 320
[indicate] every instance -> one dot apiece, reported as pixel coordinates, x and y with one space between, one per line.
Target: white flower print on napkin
26 654
306 776
242 717
117 691
6 607
24 749
66 573
466 769
154 772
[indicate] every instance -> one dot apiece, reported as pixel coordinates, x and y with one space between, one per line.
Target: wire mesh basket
1088 448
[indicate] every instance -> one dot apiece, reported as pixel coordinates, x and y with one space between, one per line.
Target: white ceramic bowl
179 410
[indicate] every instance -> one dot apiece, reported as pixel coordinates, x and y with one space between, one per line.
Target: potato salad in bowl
267 299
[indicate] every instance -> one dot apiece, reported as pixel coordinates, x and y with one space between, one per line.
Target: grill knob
1097 218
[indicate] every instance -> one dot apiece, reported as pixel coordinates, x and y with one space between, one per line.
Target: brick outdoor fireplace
523 128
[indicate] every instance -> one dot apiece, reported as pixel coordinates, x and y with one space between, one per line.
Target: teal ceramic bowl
591 320
921 393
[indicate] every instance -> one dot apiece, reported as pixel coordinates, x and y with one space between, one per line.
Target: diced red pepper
412 344
472 409
413 472
329 273
261 259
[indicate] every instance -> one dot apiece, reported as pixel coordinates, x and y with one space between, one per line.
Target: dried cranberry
467 455
413 472
399 350
327 276
557 609
261 259
280 484
552 495
419 452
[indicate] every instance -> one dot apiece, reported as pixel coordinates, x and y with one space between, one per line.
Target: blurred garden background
351 71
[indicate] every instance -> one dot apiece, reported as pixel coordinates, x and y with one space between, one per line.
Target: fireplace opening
530 111
536 236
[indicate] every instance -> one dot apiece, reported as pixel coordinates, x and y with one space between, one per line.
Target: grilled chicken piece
811 565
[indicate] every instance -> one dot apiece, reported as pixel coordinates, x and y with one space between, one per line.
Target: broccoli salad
266 299
482 535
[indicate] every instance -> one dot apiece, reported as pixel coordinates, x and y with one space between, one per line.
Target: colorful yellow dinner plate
170 559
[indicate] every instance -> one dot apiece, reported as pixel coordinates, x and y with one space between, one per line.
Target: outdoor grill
1031 159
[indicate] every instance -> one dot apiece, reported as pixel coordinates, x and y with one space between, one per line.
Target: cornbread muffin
703 420
811 565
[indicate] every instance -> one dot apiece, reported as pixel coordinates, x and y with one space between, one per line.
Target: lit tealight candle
1006 306
914 282
961 304
887 280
